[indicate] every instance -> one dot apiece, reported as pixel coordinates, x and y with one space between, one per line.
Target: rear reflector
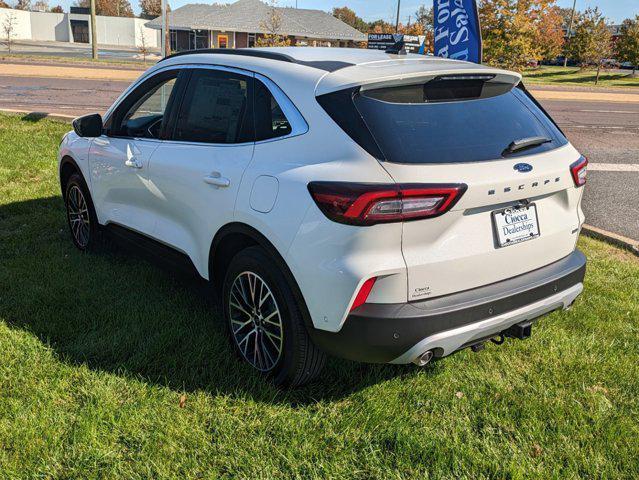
368 204
579 171
364 292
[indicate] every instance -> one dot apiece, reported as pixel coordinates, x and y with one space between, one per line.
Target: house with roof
241 24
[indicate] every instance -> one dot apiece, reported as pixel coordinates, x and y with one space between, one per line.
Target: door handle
133 163
217 180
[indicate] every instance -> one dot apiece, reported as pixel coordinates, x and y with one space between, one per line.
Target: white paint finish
457 251
264 193
188 210
331 261
122 193
613 167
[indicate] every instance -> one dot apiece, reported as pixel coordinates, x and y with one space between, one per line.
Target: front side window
142 113
215 109
270 121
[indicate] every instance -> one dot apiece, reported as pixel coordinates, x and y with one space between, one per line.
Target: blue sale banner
457 32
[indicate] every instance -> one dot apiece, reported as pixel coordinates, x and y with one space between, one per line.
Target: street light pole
94 33
399 2
572 19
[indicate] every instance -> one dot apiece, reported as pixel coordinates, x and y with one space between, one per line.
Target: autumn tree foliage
109 8
627 47
518 31
4 4
349 17
591 42
152 8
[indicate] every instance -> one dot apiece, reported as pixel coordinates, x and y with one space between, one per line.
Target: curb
618 240
40 115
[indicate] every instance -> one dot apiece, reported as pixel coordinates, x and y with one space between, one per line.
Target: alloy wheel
256 322
78 213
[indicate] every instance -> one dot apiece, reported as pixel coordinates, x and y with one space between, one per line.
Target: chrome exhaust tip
424 359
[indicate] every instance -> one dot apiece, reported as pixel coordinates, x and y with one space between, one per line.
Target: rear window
445 122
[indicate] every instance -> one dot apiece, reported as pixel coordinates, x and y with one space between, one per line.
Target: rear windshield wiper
525 143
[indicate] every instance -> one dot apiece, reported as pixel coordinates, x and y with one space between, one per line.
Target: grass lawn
575 76
113 368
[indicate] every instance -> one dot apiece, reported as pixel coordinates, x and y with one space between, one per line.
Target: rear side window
216 109
270 121
448 122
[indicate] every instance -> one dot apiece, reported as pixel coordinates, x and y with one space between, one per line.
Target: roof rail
226 51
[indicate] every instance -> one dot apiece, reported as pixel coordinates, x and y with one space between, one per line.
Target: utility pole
164 29
94 33
399 2
572 19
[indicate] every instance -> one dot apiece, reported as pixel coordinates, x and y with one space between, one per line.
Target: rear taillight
367 204
579 170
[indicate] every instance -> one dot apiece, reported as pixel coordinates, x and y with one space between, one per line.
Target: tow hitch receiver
522 331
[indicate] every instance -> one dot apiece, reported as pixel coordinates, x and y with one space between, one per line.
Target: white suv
379 207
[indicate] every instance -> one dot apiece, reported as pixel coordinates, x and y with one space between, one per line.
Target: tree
591 43
627 46
151 8
4 4
109 8
511 30
425 17
57 9
144 47
41 6
272 26
9 29
550 34
23 5
349 17
381 26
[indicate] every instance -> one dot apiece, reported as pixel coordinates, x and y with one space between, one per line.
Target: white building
75 27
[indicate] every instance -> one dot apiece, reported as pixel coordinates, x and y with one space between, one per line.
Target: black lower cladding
379 333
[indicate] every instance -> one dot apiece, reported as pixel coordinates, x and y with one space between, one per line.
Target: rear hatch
520 210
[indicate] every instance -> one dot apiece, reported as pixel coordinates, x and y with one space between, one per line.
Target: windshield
438 130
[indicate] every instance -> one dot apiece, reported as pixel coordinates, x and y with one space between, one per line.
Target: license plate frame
504 239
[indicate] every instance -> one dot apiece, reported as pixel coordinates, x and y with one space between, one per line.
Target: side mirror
88 125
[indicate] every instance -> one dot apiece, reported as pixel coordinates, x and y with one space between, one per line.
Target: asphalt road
607 133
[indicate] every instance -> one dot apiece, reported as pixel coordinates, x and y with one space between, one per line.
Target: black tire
299 361
81 217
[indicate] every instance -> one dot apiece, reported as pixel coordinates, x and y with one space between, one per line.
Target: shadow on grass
117 313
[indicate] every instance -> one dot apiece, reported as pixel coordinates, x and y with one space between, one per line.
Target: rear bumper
400 333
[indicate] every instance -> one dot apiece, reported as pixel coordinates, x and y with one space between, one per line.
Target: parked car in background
628 66
610 63
378 207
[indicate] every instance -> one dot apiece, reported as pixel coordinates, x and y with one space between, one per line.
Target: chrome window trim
298 123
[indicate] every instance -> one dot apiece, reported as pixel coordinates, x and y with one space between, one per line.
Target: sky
615 10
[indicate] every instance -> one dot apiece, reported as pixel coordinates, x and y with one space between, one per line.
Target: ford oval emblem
523 167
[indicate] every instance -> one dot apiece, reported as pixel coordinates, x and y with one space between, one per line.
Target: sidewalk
57 71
